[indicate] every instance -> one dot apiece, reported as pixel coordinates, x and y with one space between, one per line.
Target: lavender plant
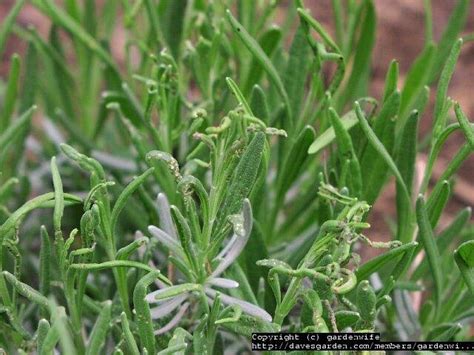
212 181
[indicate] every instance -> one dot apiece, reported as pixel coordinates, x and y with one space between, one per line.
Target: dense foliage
214 177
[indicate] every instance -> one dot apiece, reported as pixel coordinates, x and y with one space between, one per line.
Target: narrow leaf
8 22
260 55
374 141
348 121
439 122
463 257
100 330
432 253
375 264
11 92
391 80
416 79
142 310
125 195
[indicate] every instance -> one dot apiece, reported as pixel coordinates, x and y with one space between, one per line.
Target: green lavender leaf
454 164
58 196
349 120
347 152
391 80
439 122
297 71
238 94
375 264
11 92
362 58
345 319
314 24
18 126
378 146
269 42
125 195
128 335
444 332
432 253
259 104
437 203
444 239
406 153
37 202
86 163
373 166
260 55
173 24
143 317
450 35
100 329
406 162
8 22
45 262
185 236
43 329
64 19
463 258
366 302
26 290
416 79
294 160
243 178
114 264
400 268
464 124
466 251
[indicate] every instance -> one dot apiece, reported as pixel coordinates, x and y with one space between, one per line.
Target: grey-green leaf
100 330
432 252
260 55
